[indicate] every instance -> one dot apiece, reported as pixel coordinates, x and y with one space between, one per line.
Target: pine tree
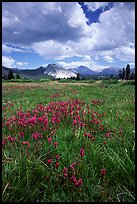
123 74
10 74
78 77
132 76
128 72
120 74
17 76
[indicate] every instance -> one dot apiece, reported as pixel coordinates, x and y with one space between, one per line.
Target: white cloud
21 64
11 63
93 6
59 30
124 53
52 49
8 61
90 64
108 58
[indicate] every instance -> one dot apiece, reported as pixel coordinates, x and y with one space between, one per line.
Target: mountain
26 73
82 70
110 71
52 71
58 72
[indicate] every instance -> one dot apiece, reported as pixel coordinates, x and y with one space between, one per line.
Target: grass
98 118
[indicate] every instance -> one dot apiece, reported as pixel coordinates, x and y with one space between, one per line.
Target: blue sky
94 34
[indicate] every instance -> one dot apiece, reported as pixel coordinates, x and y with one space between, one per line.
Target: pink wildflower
65 175
104 142
26 143
74 122
107 135
57 164
49 161
55 144
49 140
103 171
81 152
57 157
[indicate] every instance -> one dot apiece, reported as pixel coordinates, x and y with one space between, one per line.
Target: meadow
68 142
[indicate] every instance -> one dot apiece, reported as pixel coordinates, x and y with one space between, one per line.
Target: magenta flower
57 157
26 143
81 152
57 164
3 142
77 184
107 135
49 161
80 181
103 171
21 135
104 142
65 170
72 177
55 144
65 175
49 140
74 122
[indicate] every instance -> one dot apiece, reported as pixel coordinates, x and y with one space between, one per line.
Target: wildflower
80 181
65 170
104 142
72 165
11 139
21 135
74 180
57 164
74 122
107 135
26 143
77 184
49 161
65 175
72 177
3 142
49 140
55 144
81 152
57 157
103 171
85 134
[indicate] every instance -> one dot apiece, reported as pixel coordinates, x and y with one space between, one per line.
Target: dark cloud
27 22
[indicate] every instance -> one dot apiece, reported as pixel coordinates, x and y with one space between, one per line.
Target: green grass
26 175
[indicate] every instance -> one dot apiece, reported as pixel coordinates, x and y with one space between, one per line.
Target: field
71 142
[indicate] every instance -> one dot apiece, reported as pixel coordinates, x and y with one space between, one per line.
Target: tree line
11 76
126 74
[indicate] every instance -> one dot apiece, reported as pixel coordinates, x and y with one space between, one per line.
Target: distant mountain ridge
54 71
83 70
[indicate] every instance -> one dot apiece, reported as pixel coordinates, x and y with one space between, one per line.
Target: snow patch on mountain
58 72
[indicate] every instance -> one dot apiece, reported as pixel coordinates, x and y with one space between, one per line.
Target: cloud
59 30
52 49
27 22
7 61
88 63
18 64
12 63
108 58
10 48
93 6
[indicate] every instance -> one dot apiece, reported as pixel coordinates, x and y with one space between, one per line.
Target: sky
93 34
